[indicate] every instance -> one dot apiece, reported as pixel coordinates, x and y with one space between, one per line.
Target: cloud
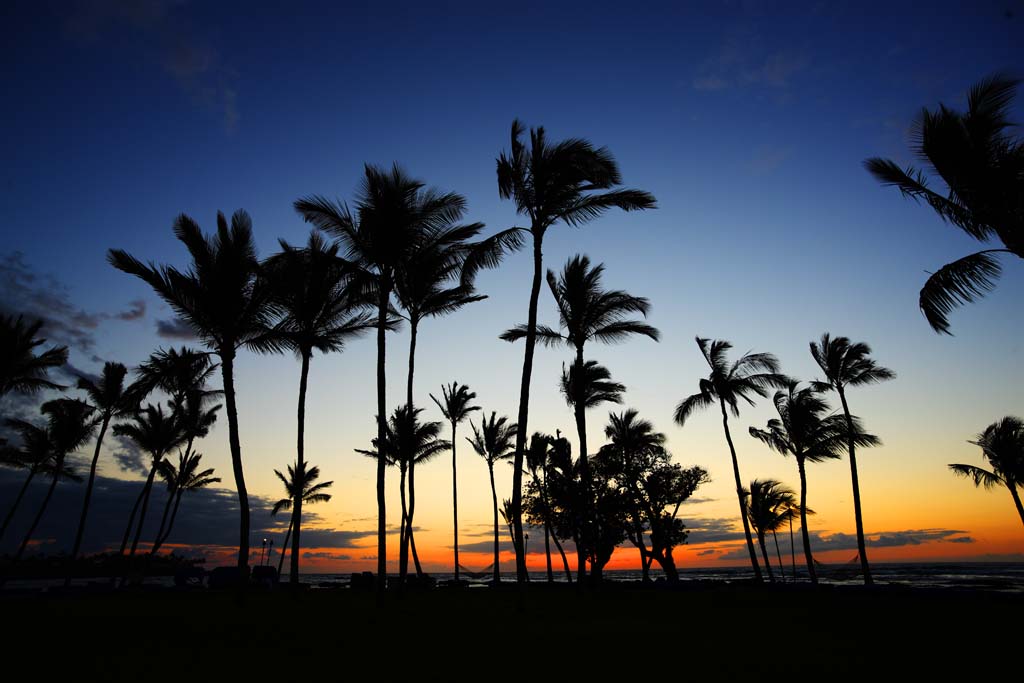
183 53
175 328
713 530
767 158
136 311
319 555
742 59
705 553
823 541
129 457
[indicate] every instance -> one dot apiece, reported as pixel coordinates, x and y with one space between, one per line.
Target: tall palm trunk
524 408
42 509
410 541
792 547
173 500
382 559
455 502
284 547
174 514
131 521
1016 499
861 547
764 555
85 505
162 531
494 497
803 522
146 490
403 534
580 413
565 561
227 368
778 553
17 500
547 520
300 445
739 495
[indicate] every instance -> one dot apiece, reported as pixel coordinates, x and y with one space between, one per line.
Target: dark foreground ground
713 632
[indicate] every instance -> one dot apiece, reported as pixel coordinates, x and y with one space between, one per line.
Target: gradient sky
748 121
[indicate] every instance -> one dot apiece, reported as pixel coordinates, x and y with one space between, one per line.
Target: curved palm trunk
284 547
778 553
861 547
162 531
1016 499
565 561
174 514
803 522
382 550
42 509
494 497
85 505
455 502
580 413
413 326
17 501
764 556
403 533
131 521
300 446
142 513
739 495
227 368
524 409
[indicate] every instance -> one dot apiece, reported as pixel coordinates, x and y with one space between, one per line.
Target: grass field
714 632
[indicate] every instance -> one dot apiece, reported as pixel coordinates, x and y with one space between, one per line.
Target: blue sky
748 121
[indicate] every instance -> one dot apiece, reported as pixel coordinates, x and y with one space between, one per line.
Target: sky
748 121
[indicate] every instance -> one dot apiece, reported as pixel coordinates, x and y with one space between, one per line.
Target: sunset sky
748 121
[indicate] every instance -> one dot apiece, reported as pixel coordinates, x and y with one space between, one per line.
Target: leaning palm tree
394 214
586 312
70 424
300 484
156 433
112 400
184 478
455 408
225 304
493 441
768 505
753 374
846 364
22 370
804 431
176 372
567 182
982 167
1002 445
587 385
319 312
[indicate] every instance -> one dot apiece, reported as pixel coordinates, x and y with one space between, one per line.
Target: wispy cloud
174 328
742 59
824 541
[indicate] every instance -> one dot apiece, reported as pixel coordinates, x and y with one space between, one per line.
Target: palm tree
982 168
394 215
804 431
846 364
35 454
1002 445
69 425
728 384
768 505
569 182
455 408
536 463
319 312
157 433
587 312
300 484
112 399
226 305
586 384
493 441
21 369
184 478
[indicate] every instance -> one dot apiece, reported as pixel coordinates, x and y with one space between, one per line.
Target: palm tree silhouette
111 399
22 370
69 426
225 304
1002 445
394 215
569 182
587 385
180 480
319 312
846 364
728 383
493 441
35 454
536 464
455 408
804 431
300 484
982 168
157 433
768 505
